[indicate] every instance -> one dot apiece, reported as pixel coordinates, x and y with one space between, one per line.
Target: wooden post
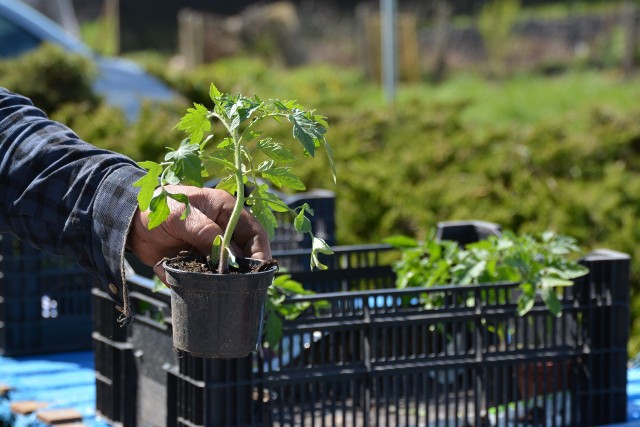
630 24
112 24
442 34
191 37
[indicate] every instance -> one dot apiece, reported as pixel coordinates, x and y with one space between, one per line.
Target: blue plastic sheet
62 380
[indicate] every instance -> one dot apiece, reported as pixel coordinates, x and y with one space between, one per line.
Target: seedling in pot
227 142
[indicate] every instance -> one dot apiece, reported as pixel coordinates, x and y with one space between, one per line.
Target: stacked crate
381 356
45 301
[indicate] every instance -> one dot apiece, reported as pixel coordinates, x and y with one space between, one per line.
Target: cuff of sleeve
115 205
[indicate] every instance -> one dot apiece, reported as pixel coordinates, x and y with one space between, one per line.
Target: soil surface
188 261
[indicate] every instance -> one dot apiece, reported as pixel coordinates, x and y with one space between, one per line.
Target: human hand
210 212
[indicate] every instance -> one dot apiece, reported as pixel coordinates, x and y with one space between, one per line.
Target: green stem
237 209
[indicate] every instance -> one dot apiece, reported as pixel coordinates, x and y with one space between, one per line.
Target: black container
116 381
218 315
45 301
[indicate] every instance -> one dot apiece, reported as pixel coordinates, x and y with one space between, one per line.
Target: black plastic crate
383 358
218 393
116 381
356 267
45 301
376 355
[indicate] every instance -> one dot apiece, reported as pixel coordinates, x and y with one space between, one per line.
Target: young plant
540 263
233 150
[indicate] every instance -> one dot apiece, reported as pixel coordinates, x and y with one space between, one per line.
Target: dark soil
191 262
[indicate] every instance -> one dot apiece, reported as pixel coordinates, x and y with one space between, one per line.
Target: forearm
63 195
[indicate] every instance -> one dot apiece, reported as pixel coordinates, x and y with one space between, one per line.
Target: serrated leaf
307 131
228 184
265 217
195 122
273 202
159 210
182 198
214 93
276 151
282 177
187 165
148 184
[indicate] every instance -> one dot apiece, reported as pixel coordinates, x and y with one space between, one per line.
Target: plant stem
237 209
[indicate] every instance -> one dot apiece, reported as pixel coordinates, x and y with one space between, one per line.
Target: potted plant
218 301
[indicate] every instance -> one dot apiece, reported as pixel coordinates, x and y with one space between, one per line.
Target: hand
210 212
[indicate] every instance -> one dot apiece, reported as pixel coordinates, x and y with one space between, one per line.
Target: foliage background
529 152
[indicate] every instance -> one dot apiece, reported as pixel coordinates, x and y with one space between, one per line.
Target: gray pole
388 41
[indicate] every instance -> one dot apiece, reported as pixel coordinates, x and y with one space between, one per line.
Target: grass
527 99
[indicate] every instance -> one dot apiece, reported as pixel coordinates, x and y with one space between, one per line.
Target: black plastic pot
218 315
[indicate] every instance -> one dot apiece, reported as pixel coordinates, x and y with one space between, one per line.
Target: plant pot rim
208 281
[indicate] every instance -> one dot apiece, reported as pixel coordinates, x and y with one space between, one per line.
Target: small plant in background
541 263
234 155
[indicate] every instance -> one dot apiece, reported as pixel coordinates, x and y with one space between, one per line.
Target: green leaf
158 285
195 122
551 301
301 223
332 163
159 210
527 299
276 151
228 184
214 93
182 198
551 282
265 217
282 177
231 259
290 286
273 329
148 184
307 131
186 163
273 202
319 246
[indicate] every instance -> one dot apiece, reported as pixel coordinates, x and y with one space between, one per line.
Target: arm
68 197
60 193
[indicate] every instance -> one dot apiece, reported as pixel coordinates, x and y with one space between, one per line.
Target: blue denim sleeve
63 195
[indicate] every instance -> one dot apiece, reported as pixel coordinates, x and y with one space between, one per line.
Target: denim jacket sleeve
64 195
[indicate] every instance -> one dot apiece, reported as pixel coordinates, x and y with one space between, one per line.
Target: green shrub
108 128
50 77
